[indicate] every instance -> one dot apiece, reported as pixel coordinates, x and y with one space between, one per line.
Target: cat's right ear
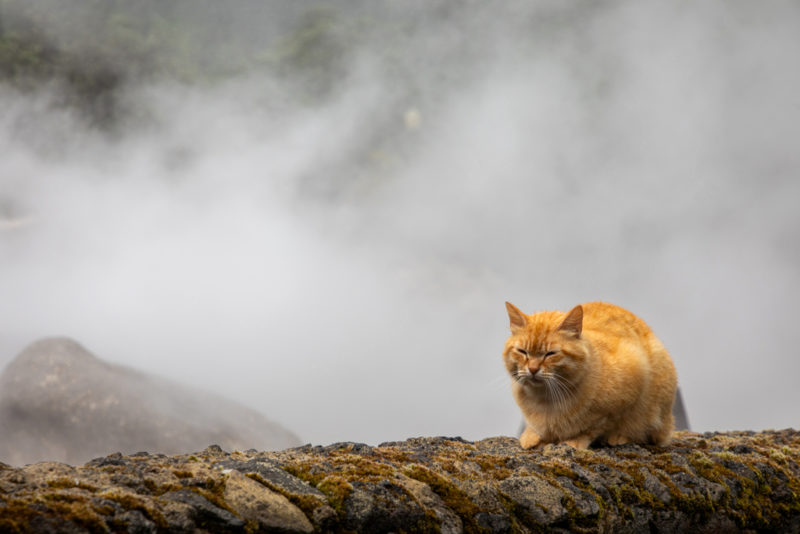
573 323
517 318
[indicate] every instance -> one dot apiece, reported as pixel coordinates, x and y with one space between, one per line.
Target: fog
341 263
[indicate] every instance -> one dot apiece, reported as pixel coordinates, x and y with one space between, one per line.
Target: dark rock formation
679 412
733 482
59 402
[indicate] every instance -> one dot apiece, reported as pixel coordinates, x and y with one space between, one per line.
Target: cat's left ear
573 322
516 318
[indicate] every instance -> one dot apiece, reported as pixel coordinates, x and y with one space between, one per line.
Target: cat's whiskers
553 393
520 376
498 382
563 396
569 386
559 389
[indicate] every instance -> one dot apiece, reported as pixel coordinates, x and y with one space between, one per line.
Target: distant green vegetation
92 48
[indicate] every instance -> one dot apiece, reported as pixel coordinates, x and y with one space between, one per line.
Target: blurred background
317 209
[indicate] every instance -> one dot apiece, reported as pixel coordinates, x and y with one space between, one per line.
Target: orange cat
595 374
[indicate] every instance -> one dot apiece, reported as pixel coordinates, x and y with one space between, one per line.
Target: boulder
714 482
59 402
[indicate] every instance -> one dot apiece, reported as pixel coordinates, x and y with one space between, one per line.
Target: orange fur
597 374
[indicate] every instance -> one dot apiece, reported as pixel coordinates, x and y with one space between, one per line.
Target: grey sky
353 290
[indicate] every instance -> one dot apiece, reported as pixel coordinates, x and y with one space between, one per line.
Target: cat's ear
573 322
517 318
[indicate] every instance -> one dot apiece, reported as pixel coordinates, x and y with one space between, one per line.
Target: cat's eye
552 352
522 351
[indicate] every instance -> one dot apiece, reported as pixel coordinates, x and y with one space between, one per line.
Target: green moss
760 487
214 492
495 467
752 506
454 498
778 456
16 516
303 471
156 488
429 523
68 482
578 521
631 491
126 500
518 516
555 471
558 469
306 503
664 463
132 502
725 455
700 461
75 509
630 455
352 467
393 454
103 508
337 489
623 495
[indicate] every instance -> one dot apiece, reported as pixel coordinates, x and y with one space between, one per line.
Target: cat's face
546 352
532 360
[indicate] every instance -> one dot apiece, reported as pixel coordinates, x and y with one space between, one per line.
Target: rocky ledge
739 481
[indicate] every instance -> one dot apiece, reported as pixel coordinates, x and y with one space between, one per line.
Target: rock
270 473
538 500
204 513
59 402
725 482
655 486
449 522
679 412
136 523
255 502
383 507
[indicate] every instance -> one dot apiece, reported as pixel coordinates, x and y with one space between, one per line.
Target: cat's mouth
526 378
529 378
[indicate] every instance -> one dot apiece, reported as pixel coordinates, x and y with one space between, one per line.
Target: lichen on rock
737 481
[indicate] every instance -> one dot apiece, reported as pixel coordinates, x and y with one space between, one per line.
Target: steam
343 270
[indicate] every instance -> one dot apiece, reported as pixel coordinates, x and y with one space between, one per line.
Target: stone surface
60 402
205 514
679 412
727 482
255 502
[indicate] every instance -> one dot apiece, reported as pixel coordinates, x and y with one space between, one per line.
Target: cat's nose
533 369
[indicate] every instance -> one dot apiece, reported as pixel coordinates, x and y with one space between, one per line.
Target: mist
337 255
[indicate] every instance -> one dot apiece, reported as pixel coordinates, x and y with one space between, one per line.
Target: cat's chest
552 422
556 428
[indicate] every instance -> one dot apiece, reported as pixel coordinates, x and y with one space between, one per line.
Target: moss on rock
738 481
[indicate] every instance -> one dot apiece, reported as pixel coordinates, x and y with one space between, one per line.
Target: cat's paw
618 439
529 439
580 442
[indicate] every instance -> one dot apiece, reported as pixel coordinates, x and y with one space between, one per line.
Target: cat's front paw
580 442
529 439
618 439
